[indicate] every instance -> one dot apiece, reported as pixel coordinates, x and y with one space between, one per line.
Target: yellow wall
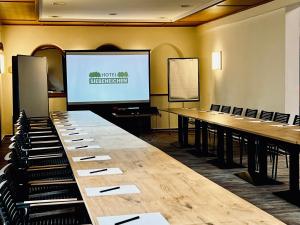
163 43
253 54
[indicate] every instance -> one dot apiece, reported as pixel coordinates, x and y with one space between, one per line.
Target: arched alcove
55 57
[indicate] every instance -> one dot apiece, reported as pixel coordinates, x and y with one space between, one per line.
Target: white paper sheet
239 118
64 122
124 189
298 130
109 171
67 125
74 133
97 158
279 125
144 219
78 140
70 129
81 147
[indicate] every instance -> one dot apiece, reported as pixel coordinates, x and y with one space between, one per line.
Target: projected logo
108 78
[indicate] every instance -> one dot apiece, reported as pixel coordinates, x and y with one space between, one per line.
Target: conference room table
162 184
256 131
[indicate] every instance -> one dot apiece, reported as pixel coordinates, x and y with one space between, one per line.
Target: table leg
185 128
263 158
294 169
204 138
197 134
229 150
180 136
220 144
251 155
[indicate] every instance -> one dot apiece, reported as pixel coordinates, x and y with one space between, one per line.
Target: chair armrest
45 142
7 157
45 202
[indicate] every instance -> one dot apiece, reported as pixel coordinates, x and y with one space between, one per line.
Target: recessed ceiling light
185 6
58 3
113 14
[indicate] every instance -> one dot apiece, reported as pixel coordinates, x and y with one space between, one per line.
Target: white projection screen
183 79
108 77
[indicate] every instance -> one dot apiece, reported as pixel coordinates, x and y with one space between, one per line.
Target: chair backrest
8 205
296 120
225 109
214 107
281 117
265 115
251 113
237 111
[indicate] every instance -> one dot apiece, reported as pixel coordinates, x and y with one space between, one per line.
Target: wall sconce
1 58
217 60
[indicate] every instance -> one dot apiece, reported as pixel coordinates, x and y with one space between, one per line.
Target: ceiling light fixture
54 16
113 14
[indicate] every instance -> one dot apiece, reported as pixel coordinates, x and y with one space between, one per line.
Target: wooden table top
289 134
181 195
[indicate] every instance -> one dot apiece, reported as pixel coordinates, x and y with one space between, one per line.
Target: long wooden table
181 195
256 132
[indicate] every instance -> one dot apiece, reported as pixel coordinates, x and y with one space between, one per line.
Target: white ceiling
126 10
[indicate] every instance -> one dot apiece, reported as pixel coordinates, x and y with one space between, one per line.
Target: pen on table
128 220
110 189
71 129
73 133
84 146
97 171
90 157
80 139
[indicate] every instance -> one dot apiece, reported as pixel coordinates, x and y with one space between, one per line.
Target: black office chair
281 117
215 107
225 109
40 213
26 192
265 115
296 120
237 111
243 142
275 150
251 113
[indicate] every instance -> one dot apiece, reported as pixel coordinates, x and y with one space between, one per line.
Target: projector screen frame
122 103
198 85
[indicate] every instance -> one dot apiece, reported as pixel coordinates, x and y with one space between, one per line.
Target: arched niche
55 58
108 48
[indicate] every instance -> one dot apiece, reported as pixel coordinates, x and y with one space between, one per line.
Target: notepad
78 140
75 133
256 121
143 219
124 189
80 147
98 172
97 158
